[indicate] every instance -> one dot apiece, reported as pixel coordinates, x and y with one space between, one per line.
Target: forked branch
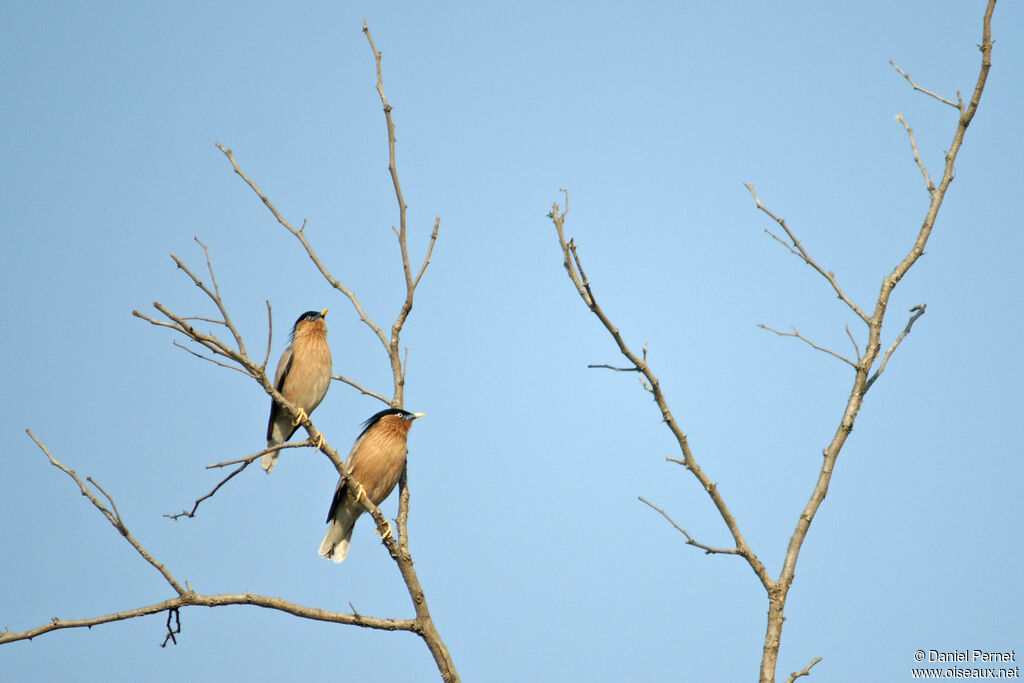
574 268
777 589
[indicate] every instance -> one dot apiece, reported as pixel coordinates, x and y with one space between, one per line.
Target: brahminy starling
303 376
376 461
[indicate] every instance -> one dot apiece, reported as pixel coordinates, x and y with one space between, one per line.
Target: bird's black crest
382 414
308 315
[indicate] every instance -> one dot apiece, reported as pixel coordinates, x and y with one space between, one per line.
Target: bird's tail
269 459
339 535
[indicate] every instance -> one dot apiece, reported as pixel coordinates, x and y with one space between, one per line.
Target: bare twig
215 600
301 236
802 338
400 232
806 671
856 348
362 390
689 539
113 505
192 512
208 359
574 268
798 249
185 595
112 517
400 552
958 105
917 157
917 312
777 589
260 454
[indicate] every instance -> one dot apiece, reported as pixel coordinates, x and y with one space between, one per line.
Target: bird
376 462
303 377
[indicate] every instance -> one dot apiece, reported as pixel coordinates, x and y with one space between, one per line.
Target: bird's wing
342 489
339 498
283 367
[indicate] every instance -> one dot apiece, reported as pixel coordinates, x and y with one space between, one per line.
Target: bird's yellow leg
300 418
319 440
387 532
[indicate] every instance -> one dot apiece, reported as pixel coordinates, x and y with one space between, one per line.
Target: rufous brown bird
376 461
303 377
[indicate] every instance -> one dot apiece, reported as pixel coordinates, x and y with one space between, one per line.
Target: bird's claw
301 417
318 441
387 532
360 493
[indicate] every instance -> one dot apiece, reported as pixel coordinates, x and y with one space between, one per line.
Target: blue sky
537 559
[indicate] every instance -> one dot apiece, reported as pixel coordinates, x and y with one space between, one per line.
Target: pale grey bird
376 461
303 377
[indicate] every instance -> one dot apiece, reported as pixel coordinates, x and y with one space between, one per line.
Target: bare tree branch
113 517
186 596
574 268
245 462
216 600
410 282
777 589
301 236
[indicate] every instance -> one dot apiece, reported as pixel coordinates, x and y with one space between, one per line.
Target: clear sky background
537 559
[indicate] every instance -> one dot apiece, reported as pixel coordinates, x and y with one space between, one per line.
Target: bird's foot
300 418
387 532
360 492
318 441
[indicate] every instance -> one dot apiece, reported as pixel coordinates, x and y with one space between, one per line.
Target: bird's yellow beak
415 415
323 313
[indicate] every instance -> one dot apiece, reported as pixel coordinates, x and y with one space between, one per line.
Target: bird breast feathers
377 460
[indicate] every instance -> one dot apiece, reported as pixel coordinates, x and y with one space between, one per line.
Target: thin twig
192 512
301 236
430 250
856 348
363 390
917 311
689 539
260 454
917 157
114 519
573 264
113 505
806 671
208 359
204 319
958 105
798 249
801 337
